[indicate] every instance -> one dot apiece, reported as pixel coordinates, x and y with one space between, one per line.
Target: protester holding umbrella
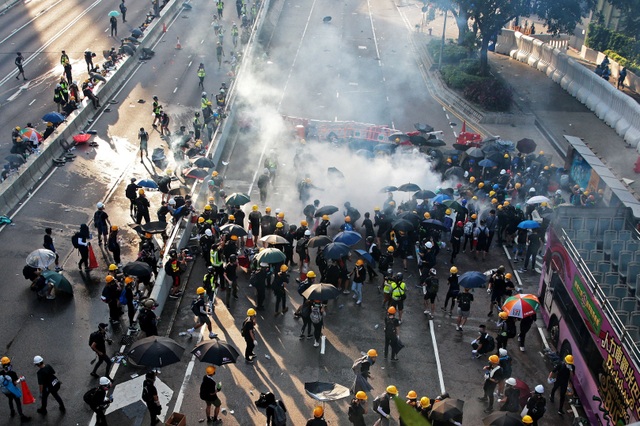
361 367
209 394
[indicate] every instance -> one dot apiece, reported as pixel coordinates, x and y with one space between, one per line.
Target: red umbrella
525 392
81 138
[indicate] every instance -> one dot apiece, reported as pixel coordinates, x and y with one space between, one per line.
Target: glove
488 291
255 343
474 352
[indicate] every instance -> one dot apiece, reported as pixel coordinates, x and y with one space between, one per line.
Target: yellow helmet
503 315
318 412
113 267
472 179
325 217
128 280
361 395
347 219
211 200
251 312
541 153
492 193
359 262
372 353
5 360
500 207
148 235
474 198
508 275
200 290
109 278
494 359
392 390
267 209
201 219
412 395
141 191
284 268
545 168
506 203
114 227
280 215
447 211
494 201
544 204
481 185
376 209
390 249
506 155
311 274
518 185
474 216
214 174
391 310
425 402
304 223
527 420
211 370
453 270
234 238
568 359
427 215
207 207
279 225
232 217
254 208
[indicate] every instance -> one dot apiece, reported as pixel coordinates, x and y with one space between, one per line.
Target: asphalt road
359 87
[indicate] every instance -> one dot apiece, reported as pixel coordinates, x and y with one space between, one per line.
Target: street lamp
444 29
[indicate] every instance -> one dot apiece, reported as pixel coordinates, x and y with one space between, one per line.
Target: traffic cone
164 27
464 127
637 166
249 242
93 262
304 268
178 45
27 396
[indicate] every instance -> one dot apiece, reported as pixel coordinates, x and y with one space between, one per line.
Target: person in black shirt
7 371
150 397
48 383
231 278
563 374
358 408
48 244
142 207
279 289
493 375
18 62
511 400
209 394
147 318
97 341
318 419
131 193
248 332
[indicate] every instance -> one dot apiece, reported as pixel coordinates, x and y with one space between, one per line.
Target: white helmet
540 389
264 265
307 233
433 271
429 245
532 189
37 359
172 202
277 211
208 232
502 352
100 206
510 381
503 172
104 381
204 94
559 192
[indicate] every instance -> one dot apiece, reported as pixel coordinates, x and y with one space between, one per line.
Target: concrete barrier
506 42
536 52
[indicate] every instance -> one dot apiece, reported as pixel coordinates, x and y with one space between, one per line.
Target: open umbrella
326 19
81 138
435 224
274 239
537 199
434 143
335 250
441 198
454 171
398 137
41 258
328 210
410 217
521 305
148 183
447 409
389 188
385 147
182 190
472 279
334 172
349 238
53 117
114 13
31 135
461 147
137 269
155 351
326 392
155 227
424 128
528 224
365 154
475 152
319 241
15 159
366 256
526 146
486 163
216 352
496 157
502 418
402 225
409 187
525 392
233 229
453 205
204 163
271 255
238 199
418 140
321 292
59 281
195 173
424 193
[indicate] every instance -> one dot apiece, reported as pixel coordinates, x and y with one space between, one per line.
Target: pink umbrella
81 138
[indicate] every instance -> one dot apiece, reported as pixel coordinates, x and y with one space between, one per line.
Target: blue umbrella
335 251
472 279
53 117
528 224
148 183
486 163
440 198
349 238
366 256
384 147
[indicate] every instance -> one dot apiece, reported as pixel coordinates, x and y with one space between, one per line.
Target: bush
632 66
605 40
455 77
491 94
451 54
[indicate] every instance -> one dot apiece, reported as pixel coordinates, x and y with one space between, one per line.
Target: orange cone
27 396
93 262
304 268
164 27
178 45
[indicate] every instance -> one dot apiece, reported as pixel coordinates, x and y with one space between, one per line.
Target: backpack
316 315
490 343
538 408
279 416
4 383
434 286
98 218
195 308
90 396
376 403
245 330
75 240
468 228
123 297
464 302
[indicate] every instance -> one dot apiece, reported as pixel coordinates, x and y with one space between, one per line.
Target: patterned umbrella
521 305
31 134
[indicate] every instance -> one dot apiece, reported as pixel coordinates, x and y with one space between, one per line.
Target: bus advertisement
581 321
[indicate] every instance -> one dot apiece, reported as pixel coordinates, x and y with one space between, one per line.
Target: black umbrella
398 137
447 409
233 229
425 128
502 418
216 352
324 392
418 140
204 163
424 193
319 241
410 217
460 147
196 173
454 171
326 19
335 172
137 269
155 227
403 225
183 190
155 351
526 146
453 152
335 250
328 210
453 205
389 188
496 157
321 292
15 159
434 224
409 187
435 143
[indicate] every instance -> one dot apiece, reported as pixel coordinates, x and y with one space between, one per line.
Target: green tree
460 11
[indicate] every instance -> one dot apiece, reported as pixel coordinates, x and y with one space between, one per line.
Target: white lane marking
437 357
175 90
20 89
31 103
373 31
189 64
39 14
187 377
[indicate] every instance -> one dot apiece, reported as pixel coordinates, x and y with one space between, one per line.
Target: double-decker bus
590 273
